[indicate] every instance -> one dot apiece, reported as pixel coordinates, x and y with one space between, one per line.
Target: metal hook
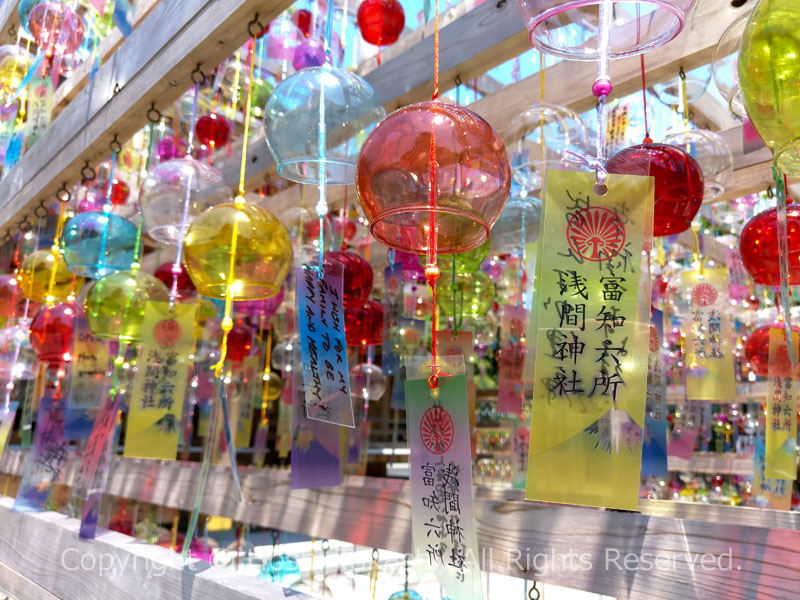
681 74
375 554
153 114
63 194
8 238
255 23
115 146
24 226
531 592
458 80
770 193
88 173
41 211
197 73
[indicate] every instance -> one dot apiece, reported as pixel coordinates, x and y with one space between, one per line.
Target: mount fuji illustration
615 427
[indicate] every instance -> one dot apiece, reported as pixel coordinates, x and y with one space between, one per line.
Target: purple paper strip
511 360
315 445
7 414
94 467
654 448
684 435
45 463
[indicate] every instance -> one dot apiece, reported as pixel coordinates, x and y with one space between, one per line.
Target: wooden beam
764 545
749 180
471 41
711 247
153 65
744 157
9 18
44 548
713 463
67 91
569 83
714 115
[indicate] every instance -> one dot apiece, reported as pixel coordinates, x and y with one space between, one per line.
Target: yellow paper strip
592 337
781 417
709 356
159 386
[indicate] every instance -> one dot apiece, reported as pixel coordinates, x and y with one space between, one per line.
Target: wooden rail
79 78
42 558
762 546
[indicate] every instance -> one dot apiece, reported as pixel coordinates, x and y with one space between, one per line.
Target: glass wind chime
768 67
234 252
442 202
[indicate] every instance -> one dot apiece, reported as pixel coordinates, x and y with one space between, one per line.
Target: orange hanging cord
432 268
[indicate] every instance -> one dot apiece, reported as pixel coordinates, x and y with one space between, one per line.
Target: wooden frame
153 66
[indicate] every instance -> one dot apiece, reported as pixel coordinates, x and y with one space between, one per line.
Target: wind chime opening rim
655 41
343 174
413 209
787 158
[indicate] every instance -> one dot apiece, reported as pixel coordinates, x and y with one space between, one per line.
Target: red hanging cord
436 52
647 139
786 189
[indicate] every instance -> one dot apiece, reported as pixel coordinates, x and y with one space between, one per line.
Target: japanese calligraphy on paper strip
520 441
709 356
781 418
89 382
159 386
592 337
443 524
40 109
767 492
